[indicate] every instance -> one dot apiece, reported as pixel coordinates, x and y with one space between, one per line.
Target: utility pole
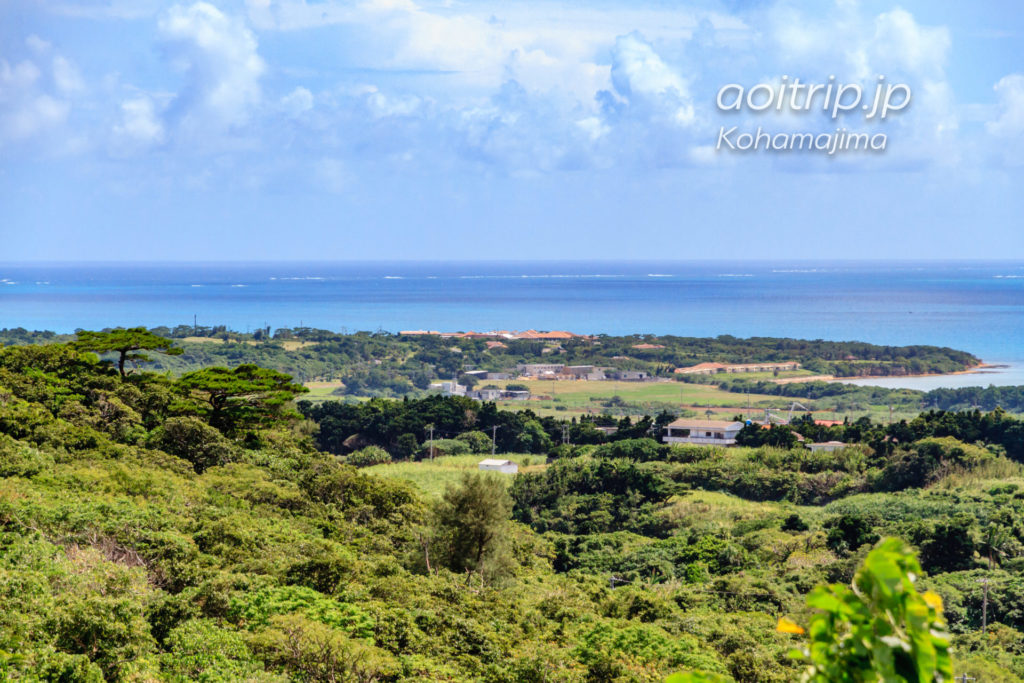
195 325
494 439
431 427
984 605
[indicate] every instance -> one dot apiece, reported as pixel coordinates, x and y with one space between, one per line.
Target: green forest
381 363
210 525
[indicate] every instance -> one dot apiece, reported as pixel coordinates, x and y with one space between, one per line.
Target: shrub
201 650
21 460
478 441
192 439
641 450
443 447
366 457
794 523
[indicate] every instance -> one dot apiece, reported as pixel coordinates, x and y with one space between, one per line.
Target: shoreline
979 369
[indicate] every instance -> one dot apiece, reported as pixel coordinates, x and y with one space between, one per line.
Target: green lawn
432 476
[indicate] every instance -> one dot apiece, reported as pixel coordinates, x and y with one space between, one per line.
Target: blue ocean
978 307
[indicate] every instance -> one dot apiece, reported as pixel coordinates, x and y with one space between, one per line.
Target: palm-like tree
994 542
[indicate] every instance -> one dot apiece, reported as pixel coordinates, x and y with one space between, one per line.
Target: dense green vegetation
206 528
379 363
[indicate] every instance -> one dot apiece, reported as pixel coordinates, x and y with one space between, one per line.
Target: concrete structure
494 394
541 369
486 394
628 375
499 375
495 465
516 395
449 388
827 446
715 368
704 432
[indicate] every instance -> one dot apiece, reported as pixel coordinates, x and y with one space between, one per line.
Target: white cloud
640 75
1010 122
1007 128
37 44
139 125
219 56
900 42
26 109
857 47
66 76
637 69
593 127
297 101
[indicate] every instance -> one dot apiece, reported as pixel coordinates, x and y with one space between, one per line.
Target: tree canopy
124 342
245 397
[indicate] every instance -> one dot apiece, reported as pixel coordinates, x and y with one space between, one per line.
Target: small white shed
504 466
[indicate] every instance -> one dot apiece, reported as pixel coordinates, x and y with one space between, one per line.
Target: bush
192 439
21 460
478 441
201 650
366 457
794 523
642 450
443 447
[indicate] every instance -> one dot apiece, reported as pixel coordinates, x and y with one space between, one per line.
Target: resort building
715 368
704 432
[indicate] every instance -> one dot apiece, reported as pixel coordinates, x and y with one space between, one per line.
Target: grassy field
564 398
291 345
432 476
321 391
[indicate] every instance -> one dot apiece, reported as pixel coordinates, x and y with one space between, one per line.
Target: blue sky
292 129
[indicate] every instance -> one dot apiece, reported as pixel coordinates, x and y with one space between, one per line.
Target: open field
432 476
321 391
568 397
290 345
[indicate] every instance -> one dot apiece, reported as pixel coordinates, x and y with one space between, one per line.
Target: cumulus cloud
66 77
640 75
139 125
1007 128
900 42
219 56
858 47
1010 123
26 108
297 101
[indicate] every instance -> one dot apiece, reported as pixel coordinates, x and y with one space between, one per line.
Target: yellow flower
788 626
933 599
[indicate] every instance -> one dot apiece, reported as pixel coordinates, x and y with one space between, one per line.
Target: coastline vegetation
206 527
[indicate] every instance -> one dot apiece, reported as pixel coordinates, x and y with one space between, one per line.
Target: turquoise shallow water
978 307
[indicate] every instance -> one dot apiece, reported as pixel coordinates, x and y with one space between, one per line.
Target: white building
704 432
448 388
503 466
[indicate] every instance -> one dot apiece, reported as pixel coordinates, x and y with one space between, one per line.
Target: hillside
190 529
